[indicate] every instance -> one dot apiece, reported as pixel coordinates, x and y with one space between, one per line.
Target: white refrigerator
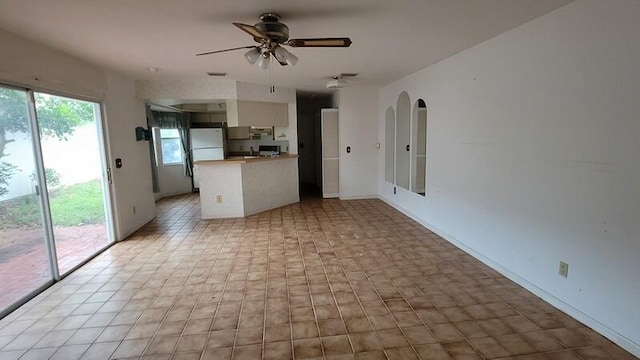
206 144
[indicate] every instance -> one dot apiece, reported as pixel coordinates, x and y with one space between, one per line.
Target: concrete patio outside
24 261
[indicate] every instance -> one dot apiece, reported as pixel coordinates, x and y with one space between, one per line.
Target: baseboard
620 340
124 236
359 197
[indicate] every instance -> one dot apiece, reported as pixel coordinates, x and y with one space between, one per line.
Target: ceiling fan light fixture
282 55
265 60
252 55
292 59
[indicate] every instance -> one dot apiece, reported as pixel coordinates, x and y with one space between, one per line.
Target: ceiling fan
271 35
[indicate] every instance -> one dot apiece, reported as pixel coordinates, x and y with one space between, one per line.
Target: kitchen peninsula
243 186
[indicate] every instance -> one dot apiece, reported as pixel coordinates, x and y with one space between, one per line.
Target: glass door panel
24 259
73 162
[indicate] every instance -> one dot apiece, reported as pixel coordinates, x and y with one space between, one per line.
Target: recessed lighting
153 69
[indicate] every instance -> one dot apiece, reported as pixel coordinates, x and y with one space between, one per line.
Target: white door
330 153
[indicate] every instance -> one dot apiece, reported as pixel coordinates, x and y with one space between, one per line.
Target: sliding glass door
73 163
24 257
54 203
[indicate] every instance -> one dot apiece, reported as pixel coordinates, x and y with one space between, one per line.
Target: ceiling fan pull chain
272 86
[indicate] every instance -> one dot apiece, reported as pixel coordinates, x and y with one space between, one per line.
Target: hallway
319 279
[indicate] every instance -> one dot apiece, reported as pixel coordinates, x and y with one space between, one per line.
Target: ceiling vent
217 74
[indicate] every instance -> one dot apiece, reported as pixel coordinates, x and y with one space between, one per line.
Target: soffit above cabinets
220 106
256 113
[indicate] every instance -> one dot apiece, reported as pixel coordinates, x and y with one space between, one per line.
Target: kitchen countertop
245 159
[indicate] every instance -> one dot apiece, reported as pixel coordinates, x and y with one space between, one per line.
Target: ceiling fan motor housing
271 26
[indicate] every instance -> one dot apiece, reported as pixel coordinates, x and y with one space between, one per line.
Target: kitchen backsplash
245 145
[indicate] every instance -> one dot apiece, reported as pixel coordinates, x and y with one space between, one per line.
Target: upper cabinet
238 133
256 113
207 118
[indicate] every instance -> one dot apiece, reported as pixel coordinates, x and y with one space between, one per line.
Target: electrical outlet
219 199
563 269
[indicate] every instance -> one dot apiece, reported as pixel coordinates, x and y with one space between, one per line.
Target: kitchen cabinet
238 133
256 113
208 118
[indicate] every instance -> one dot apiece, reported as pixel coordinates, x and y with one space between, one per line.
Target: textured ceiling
391 39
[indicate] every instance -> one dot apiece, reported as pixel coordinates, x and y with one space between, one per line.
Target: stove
269 150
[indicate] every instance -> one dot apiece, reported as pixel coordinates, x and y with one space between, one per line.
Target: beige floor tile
71 352
307 348
278 351
336 345
99 351
217 354
189 343
305 330
366 341
162 345
131 348
306 281
221 339
278 333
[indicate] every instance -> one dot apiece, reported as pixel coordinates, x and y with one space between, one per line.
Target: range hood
255 131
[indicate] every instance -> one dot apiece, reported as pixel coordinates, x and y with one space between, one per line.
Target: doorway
309 106
55 212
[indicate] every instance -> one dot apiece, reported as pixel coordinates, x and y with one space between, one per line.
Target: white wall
533 143
132 185
30 64
358 129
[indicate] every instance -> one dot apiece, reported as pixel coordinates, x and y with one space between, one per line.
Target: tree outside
57 119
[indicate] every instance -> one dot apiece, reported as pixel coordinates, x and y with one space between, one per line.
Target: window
171 146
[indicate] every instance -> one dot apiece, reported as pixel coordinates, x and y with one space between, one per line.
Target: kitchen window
171 147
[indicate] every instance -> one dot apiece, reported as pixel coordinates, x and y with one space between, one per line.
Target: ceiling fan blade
225 50
252 30
320 42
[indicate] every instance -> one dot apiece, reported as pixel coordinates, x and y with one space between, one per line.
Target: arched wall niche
419 148
389 141
403 140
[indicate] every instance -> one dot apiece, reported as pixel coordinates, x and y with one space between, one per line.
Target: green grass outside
78 204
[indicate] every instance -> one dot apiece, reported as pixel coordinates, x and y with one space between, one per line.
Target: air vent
344 75
217 74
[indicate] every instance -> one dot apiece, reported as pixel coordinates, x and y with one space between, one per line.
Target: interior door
330 153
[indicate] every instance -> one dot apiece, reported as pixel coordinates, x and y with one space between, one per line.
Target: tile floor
320 279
